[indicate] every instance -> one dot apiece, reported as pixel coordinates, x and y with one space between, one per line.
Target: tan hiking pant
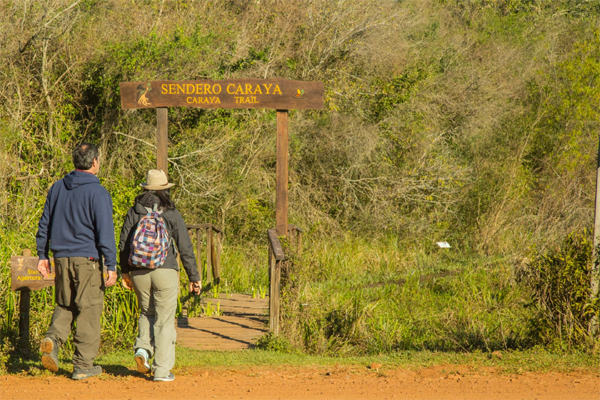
79 294
156 291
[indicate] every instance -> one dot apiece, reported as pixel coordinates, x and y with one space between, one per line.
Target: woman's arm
186 249
125 240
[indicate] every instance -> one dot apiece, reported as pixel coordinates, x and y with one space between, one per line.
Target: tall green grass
353 296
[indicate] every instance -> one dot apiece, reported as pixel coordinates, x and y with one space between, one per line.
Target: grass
348 297
120 363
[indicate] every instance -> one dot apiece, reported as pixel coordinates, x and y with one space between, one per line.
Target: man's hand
195 287
44 268
112 278
127 282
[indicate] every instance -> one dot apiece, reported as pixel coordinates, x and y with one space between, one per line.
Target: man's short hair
83 156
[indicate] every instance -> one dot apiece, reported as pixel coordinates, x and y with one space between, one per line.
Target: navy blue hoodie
77 220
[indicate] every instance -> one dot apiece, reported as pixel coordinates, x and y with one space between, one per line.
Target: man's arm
105 235
42 239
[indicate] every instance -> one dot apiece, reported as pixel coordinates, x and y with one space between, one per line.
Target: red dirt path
346 382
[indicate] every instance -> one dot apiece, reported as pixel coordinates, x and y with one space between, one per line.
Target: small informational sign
281 94
24 273
443 245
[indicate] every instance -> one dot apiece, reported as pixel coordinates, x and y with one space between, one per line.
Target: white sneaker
141 359
169 378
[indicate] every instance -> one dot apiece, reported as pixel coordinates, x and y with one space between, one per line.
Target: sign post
162 140
595 273
281 181
279 94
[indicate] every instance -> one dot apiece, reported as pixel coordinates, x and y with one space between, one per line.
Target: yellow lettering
163 88
31 271
207 89
237 99
217 100
180 87
189 99
267 87
248 89
190 88
257 90
171 88
198 88
231 84
276 90
239 90
215 87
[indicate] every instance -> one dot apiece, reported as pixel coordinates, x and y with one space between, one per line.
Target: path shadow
123 371
217 334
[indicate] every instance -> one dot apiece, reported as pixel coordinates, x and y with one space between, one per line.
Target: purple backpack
150 242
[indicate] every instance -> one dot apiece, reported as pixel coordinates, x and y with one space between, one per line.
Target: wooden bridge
242 322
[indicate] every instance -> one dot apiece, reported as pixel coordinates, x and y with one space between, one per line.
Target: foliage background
471 122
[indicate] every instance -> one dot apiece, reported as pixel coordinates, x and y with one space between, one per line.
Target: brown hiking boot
49 350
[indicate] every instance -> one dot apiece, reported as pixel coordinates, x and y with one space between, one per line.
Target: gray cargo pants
79 294
156 291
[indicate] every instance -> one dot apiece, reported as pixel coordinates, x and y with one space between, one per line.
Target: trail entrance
243 317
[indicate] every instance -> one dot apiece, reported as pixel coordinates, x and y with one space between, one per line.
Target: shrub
560 292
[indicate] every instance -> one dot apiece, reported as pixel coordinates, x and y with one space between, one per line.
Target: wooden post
281 203
219 251
162 140
198 254
595 275
213 255
271 266
209 255
24 307
276 258
275 276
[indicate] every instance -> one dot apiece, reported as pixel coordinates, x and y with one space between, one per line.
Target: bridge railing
277 257
214 248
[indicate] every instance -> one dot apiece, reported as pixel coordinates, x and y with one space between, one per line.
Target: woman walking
152 274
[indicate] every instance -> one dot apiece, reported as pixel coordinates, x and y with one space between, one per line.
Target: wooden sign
280 94
24 273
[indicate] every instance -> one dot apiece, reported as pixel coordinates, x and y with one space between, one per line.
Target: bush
560 292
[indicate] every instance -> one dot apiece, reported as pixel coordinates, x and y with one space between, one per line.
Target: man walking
77 225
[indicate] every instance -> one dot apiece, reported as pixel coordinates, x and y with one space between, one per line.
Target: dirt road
344 382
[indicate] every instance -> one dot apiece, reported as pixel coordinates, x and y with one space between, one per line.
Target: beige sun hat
156 179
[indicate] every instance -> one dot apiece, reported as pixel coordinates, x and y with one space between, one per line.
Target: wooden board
243 322
282 94
24 273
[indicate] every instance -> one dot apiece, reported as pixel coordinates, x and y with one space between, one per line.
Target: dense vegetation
471 122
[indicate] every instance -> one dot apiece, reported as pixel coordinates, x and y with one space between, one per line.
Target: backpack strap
154 209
